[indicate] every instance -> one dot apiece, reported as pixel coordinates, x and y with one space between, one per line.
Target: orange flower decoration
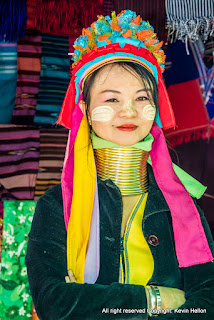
116 27
127 34
137 20
145 34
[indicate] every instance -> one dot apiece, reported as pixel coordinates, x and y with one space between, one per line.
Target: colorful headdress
125 37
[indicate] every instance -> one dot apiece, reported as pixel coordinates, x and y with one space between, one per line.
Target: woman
137 246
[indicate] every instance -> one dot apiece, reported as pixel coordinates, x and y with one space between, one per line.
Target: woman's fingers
71 276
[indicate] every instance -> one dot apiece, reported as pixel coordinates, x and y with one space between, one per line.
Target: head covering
125 37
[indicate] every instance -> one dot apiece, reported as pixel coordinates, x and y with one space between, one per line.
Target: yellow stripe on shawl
82 202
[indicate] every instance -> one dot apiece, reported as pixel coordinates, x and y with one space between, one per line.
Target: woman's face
120 110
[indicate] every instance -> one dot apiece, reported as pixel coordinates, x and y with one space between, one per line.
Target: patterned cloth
182 81
71 50
29 67
153 11
64 17
15 298
108 7
52 152
206 78
54 79
180 66
190 113
208 56
1 226
12 19
8 77
19 162
188 19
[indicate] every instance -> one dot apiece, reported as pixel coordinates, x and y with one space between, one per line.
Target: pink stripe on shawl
190 240
68 166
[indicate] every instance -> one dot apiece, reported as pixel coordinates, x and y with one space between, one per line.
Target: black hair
132 67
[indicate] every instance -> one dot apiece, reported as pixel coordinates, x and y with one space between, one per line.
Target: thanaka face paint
149 112
102 113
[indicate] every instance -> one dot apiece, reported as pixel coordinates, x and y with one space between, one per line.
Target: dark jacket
46 262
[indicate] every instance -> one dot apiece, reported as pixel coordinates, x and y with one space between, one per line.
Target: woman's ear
82 105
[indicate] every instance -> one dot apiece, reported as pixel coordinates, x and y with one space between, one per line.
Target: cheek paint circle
149 112
102 113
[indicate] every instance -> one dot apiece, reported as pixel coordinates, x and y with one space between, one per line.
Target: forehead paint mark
102 113
149 112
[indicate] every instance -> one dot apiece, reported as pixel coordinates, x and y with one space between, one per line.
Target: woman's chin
125 142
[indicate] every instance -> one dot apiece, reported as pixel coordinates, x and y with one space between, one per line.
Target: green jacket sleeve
198 287
55 299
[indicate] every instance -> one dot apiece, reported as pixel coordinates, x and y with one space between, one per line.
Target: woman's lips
127 127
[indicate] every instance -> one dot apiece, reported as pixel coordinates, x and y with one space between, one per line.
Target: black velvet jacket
46 263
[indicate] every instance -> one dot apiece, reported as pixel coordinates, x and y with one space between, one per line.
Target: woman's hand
171 298
70 278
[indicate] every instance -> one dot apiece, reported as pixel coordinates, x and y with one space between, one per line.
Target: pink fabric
68 166
190 240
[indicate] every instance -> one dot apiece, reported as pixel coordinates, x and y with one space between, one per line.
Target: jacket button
153 240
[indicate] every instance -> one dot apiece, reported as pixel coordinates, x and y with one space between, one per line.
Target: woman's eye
142 98
111 100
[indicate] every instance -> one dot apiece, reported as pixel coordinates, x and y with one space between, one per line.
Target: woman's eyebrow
110 90
115 91
144 89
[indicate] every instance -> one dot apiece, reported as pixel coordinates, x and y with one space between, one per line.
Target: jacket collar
155 201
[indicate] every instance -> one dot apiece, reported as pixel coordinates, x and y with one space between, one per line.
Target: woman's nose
128 110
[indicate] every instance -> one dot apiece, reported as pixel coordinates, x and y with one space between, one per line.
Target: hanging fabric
206 77
54 78
108 7
64 17
12 19
1 227
8 78
189 19
190 113
182 81
19 161
29 67
15 296
52 152
71 50
180 66
208 56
